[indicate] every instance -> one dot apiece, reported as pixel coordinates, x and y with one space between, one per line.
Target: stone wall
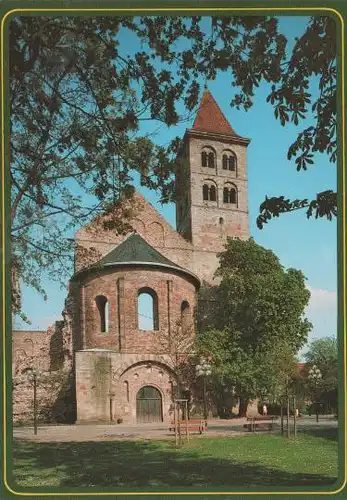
94 241
209 223
107 384
50 354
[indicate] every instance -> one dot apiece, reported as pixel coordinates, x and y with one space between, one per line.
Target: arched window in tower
213 196
230 195
147 309
186 318
204 159
225 195
229 161
103 308
208 157
211 162
209 192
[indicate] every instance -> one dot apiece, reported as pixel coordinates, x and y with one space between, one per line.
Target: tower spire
210 117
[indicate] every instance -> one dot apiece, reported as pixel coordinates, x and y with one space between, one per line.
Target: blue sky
309 245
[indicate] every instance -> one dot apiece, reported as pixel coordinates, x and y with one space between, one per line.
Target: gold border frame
343 215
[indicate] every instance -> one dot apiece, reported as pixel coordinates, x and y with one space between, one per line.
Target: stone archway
149 406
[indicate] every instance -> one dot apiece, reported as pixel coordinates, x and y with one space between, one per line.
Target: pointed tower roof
210 117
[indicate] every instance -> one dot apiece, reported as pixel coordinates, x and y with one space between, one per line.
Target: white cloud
322 312
322 299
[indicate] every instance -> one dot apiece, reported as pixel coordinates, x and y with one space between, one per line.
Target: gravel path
116 432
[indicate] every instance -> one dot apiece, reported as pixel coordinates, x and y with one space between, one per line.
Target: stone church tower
211 186
126 369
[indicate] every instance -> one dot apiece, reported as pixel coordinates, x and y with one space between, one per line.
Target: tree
74 123
179 349
323 354
78 98
256 323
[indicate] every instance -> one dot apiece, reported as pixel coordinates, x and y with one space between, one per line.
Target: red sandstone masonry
132 339
148 223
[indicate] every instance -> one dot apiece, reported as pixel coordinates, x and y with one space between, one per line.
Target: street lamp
204 369
314 374
32 377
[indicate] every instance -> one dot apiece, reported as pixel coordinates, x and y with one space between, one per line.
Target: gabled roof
210 117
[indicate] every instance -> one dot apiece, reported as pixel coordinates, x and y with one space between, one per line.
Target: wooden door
148 405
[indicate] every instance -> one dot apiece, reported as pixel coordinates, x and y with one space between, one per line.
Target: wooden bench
266 422
193 424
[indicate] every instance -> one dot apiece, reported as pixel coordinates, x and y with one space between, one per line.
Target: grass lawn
255 460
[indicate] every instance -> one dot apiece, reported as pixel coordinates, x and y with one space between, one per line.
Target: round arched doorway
149 405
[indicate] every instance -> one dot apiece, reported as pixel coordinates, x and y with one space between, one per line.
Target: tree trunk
243 406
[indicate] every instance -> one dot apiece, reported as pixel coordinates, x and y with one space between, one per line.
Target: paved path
64 433
116 432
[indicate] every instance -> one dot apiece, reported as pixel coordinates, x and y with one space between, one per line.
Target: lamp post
33 376
315 375
204 369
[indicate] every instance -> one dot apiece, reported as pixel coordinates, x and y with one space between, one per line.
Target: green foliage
74 132
256 321
323 353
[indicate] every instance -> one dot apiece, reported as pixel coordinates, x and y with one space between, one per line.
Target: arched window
102 305
204 159
147 310
229 195
229 161
185 316
225 195
232 195
208 157
209 192
211 160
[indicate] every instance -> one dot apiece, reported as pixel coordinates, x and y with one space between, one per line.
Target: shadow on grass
330 433
145 465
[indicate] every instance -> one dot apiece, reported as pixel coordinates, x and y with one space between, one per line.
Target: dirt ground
155 431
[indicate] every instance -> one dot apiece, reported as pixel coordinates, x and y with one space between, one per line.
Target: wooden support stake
294 404
288 414
175 422
186 415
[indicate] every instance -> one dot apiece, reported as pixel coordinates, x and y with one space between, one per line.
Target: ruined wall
50 354
94 241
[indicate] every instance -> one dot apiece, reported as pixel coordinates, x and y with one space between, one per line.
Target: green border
337 9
